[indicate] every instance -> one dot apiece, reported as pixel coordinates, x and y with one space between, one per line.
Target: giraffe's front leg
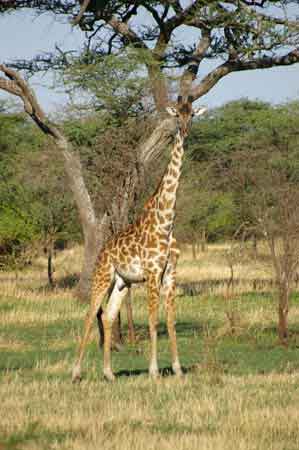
153 304
170 311
169 287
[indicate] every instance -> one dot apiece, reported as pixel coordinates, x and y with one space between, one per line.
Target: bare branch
191 72
124 30
238 65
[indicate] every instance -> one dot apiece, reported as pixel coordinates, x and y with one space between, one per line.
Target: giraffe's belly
132 272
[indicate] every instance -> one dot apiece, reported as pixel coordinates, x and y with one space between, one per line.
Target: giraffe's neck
165 196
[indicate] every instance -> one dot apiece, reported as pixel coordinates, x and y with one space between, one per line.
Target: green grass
240 390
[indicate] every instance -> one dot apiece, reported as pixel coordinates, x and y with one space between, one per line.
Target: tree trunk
283 309
203 240
193 247
93 243
254 246
50 266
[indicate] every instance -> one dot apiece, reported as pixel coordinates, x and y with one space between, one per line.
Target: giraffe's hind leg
119 292
116 340
101 284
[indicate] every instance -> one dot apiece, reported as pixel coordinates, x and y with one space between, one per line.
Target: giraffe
145 252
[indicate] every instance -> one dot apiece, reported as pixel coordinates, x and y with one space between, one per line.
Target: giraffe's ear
199 111
172 111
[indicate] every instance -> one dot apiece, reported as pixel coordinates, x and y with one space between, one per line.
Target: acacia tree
236 35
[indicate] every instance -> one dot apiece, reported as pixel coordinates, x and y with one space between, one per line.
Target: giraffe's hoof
108 375
76 375
76 380
154 373
177 370
178 373
155 376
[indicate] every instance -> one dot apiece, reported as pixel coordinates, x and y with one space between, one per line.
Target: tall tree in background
233 36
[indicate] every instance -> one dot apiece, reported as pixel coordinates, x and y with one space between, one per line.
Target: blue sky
23 36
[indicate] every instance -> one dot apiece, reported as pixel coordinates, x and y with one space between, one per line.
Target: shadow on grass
182 328
207 286
37 334
165 372
269 334
69 281
36 433
32 360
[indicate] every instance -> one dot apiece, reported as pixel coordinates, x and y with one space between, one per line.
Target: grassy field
240 390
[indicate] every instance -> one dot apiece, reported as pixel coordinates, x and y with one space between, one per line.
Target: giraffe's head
184 113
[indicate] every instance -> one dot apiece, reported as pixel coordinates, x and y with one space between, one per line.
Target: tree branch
124 30
191 72
238 65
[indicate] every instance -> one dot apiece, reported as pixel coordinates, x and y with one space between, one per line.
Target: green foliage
201 209
15 224
35 205
235 153
85 132
221 215
240 124
17 231
114 83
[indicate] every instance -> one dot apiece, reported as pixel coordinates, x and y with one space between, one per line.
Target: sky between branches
22 36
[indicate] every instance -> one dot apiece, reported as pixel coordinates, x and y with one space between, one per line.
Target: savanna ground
240 389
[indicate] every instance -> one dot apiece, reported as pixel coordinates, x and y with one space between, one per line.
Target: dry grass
192 414
214 265
211 265
240 392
